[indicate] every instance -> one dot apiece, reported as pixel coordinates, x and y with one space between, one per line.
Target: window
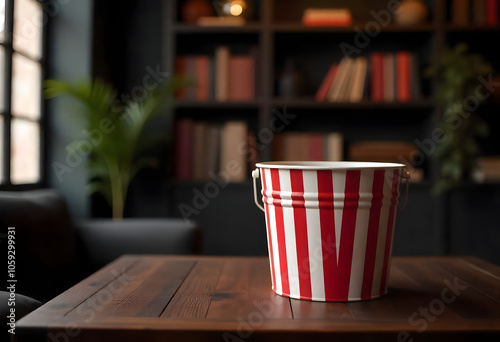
21 68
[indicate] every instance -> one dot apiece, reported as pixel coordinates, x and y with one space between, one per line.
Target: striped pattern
330 232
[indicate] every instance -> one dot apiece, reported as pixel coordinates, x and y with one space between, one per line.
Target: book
416 89
185 67
403 63
211 150
202 77
278 147
492 12
183 140
222 55
180 71
381 151
359 79
345 88
241 78
198 154
296 146
340 81
327 82
460 12
327 17
479 12
334 150
389 77
377 76
233 141
193 67
301 146
315 147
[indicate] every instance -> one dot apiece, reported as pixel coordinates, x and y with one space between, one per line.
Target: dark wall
127 36
127 47
69 58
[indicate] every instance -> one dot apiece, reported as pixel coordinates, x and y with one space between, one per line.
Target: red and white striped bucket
330 227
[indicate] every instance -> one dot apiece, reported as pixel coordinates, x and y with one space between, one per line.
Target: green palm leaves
116 133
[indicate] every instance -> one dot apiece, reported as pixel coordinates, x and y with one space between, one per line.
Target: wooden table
193 298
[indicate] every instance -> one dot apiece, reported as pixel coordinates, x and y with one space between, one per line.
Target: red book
327 83
183 149
202 85
492 12
315 146
241 78
377 76
403 63
185 67
180 71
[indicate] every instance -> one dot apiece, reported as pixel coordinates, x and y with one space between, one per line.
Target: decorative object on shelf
488 170
411 12
458 78
221 21
334 17
290 80
115 131
236 8
192 10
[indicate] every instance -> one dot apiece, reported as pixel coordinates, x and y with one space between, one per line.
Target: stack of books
222 76
300 146
387 151
477 12
383 77
205 150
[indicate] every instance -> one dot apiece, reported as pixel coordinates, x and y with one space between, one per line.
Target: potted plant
119 155
457 75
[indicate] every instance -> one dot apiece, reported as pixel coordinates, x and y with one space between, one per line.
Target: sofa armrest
14 306
100 241
45 259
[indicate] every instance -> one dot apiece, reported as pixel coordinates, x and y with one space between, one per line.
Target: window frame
6 183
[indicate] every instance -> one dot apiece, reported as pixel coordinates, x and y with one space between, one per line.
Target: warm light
236 10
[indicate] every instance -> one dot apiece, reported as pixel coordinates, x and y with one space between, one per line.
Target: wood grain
196 298
194 295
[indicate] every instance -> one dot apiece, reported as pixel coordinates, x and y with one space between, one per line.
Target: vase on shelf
192 10
411 12
290 80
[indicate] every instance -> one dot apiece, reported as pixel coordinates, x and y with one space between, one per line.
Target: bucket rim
328 165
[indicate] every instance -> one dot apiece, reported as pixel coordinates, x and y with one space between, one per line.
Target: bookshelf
277 31
424 227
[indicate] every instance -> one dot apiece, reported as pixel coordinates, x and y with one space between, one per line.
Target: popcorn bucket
330 227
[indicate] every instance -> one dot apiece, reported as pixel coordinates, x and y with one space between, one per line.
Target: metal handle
406 178
255 175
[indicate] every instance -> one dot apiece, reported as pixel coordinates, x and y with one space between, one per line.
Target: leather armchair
53 252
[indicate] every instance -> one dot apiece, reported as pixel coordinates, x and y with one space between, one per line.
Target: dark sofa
54 252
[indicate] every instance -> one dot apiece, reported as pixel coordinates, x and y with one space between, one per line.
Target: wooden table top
196 298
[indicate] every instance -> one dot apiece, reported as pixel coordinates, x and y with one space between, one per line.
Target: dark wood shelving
298 27
274 33
195 29
450 28
429 224
365 104
217 104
